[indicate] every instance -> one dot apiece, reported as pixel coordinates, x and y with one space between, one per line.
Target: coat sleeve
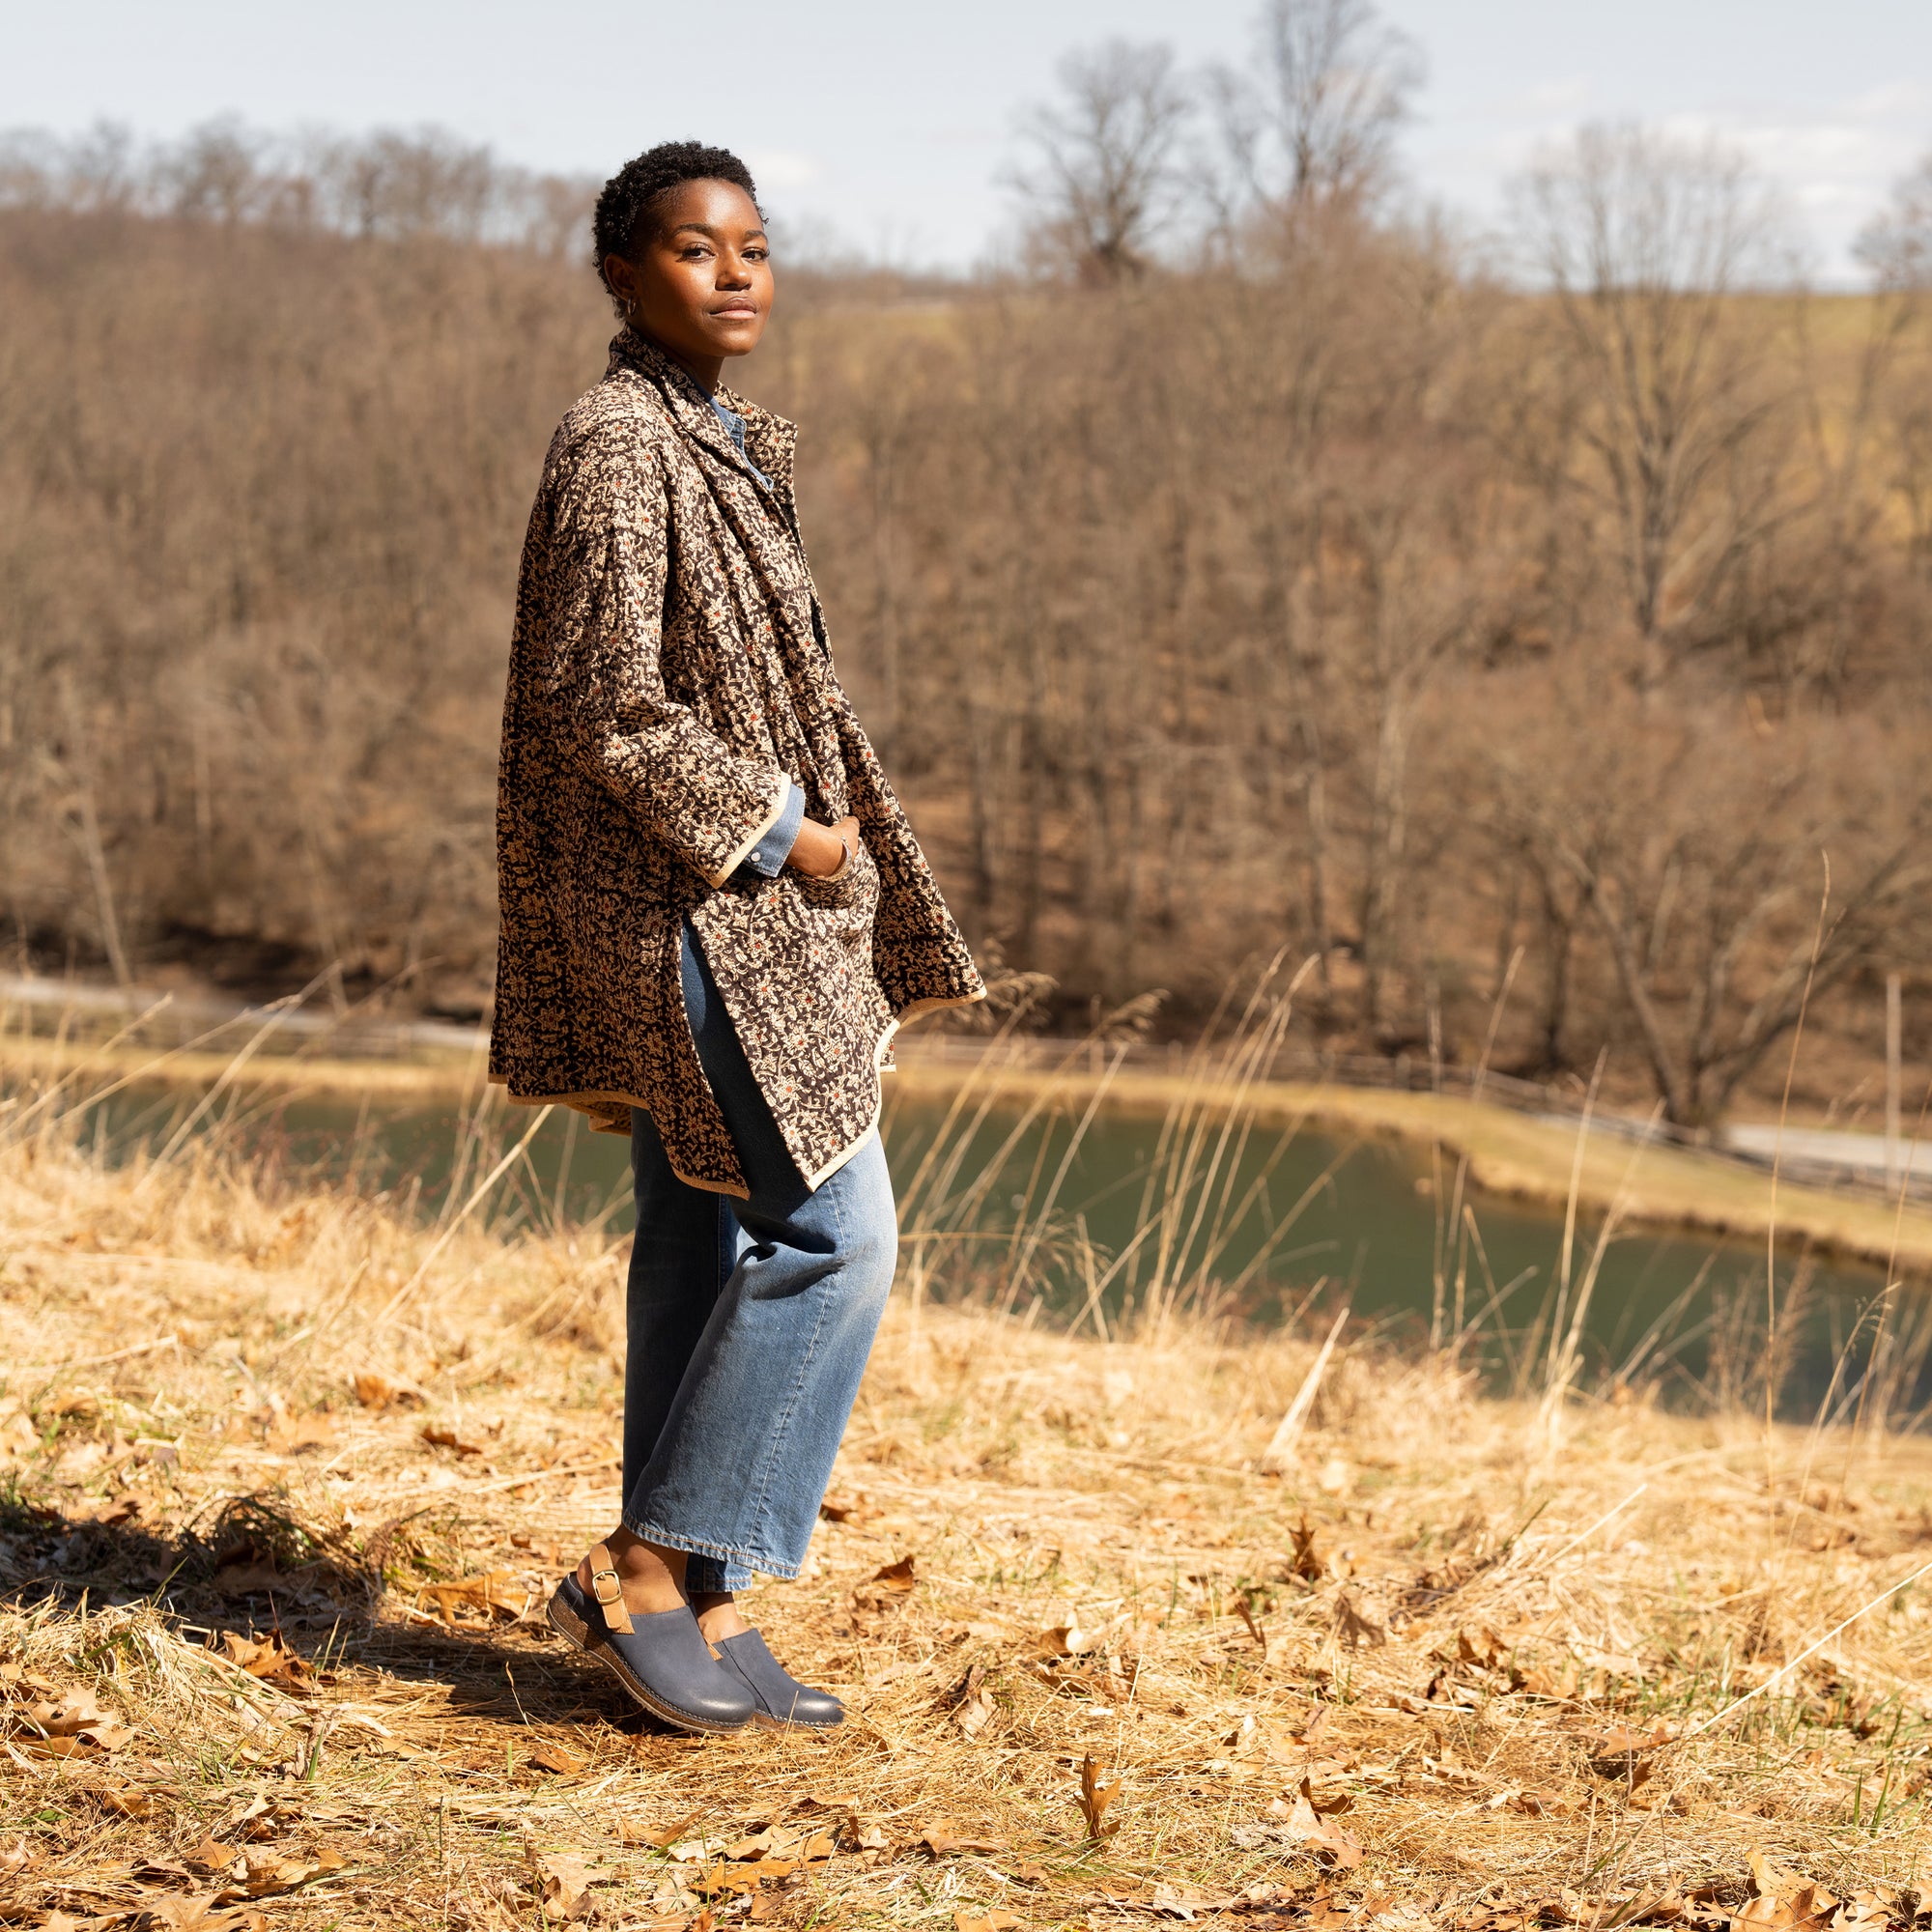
609 547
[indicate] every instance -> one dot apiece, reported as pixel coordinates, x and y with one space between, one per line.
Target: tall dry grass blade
1287 1432
277 1011
1811 1649
1035 1226
449 1228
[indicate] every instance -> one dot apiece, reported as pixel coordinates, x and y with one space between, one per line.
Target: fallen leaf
1306 1562
108 1735
268 1657
1095 1795
973 1716
378 1391
630 1833
1613 1663
1064 1640
1354 1629
16 1856
494 1591
942 1841
840 1509
1621 1742
299 1433
1533 1804
886 1589
1325 1807
554 1758
176 1912
447 1438
264 1873
256 1818
1486 1650
125 1801
1329 1842
211 1855
566 1885
1183 1901
729 1881
66 1715
995 1920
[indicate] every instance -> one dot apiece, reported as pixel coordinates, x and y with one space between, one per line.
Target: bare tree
1647 244
1313 123
1896 246
1703 866
1103 170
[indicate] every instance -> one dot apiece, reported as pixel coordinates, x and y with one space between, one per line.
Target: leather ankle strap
609 1589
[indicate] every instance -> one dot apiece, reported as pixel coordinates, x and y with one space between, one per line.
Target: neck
703 370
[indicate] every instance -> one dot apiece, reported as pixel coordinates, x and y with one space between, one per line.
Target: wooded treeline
1525 657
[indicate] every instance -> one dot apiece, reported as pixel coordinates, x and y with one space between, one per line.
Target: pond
1097 1224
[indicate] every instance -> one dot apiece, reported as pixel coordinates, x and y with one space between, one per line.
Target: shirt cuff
768 856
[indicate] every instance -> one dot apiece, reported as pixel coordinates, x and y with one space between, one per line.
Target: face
699 282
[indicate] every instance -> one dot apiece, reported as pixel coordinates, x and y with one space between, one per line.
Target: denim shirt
735 424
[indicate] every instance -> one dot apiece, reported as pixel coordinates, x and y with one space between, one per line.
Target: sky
887 122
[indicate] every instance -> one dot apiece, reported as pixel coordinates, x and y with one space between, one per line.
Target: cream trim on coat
750 844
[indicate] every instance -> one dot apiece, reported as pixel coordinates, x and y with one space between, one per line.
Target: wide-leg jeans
748 1327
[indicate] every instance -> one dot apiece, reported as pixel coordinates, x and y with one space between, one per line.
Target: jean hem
734 1558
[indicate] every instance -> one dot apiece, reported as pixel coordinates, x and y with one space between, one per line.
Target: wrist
818 851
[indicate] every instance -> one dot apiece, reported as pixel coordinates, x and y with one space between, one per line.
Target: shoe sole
568 1625
765 1722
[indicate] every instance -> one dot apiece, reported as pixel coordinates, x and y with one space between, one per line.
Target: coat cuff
780 796
768 856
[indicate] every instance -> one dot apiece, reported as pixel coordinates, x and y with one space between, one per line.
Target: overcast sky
890 119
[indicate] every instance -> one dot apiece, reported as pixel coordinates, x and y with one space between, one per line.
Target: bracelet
845 847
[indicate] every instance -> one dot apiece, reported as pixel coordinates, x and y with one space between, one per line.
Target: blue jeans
749 1325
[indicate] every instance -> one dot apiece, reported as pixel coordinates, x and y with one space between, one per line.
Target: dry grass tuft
274 1572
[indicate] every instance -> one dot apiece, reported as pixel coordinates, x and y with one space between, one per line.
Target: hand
819 850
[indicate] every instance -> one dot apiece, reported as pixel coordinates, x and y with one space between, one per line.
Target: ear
622 276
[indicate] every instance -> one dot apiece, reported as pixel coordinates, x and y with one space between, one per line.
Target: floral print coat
668 672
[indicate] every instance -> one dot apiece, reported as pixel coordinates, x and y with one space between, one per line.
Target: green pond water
1289 1230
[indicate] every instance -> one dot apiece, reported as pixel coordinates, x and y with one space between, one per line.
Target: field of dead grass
285 1478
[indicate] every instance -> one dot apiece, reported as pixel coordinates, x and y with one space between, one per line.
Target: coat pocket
849 899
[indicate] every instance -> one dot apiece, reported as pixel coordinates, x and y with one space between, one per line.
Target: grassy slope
1452 1605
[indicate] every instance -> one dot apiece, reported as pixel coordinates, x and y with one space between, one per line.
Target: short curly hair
624 207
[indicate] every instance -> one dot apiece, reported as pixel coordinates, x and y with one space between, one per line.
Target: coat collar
770 440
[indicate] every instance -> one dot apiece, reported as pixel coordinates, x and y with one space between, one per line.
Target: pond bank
1510 1154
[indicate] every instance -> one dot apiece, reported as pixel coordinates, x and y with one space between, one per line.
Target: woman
714 917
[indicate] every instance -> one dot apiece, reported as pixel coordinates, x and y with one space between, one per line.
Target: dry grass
1450 1665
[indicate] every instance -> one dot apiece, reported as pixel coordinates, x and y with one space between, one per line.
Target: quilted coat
668 672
